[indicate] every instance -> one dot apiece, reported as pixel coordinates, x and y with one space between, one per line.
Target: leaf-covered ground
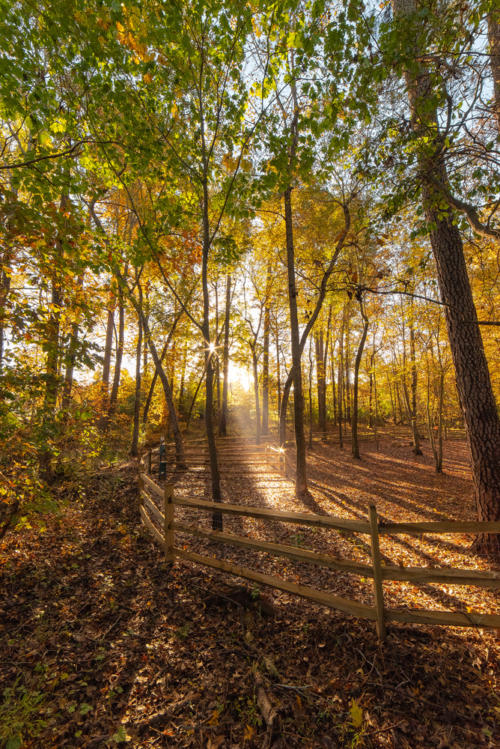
103 644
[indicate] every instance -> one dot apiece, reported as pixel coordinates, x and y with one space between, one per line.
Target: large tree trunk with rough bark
471 368
494 43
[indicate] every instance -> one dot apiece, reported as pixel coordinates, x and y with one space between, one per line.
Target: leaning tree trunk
471 368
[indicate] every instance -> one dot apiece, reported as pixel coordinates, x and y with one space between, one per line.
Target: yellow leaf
249 733
214 720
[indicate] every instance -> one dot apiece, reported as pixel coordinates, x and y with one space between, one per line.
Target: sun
239 376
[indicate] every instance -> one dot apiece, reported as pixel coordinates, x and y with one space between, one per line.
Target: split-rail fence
152 493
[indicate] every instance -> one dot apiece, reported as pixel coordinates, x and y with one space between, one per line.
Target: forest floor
102 643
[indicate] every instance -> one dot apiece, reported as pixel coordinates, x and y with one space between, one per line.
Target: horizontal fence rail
377 570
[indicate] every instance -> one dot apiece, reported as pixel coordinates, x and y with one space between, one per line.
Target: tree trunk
494 43
321 382
52 380
340 381
118 357
357 363
334 385
209 368
256 394
471 368
296 370
52 340
106 365
347 359
310 441
414 421
225 360
265 371
5 277
167 389
278 379
134 448
69 360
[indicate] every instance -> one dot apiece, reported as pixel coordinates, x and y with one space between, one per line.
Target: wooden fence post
377 573
168 530
149 462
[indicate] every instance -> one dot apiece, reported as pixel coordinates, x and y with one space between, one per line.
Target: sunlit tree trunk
5 277
108 345
134 448
225 360
334 385
255 369
265 364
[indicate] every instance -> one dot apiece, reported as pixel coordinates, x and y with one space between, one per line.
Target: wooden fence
151 493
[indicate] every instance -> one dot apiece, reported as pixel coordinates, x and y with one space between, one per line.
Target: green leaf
120 737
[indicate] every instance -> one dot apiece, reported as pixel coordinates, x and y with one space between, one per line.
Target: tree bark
357 363
209 368
414 380
134 448
113 398
296 370
265 368
321 381
494 44
471 368
255 368
106 365
225 360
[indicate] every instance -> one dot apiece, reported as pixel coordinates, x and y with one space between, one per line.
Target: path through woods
108 644
403 486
